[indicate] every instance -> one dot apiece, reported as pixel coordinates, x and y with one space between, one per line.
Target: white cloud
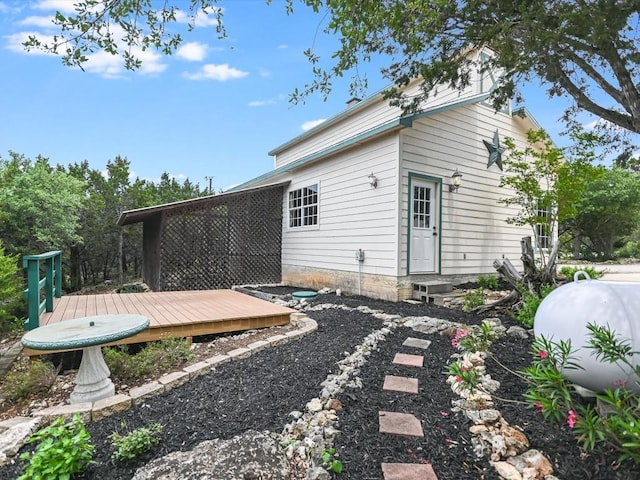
261 103
600 124
15 42
201 19
264 73
4 8
37 21
64 6
192 51
220 73
312 123
282 46
151 62
112 66
105 64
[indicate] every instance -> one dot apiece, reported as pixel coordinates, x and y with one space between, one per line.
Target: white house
370 206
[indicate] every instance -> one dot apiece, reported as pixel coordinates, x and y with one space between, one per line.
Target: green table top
84 332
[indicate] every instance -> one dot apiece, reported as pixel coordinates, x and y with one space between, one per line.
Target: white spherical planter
565 313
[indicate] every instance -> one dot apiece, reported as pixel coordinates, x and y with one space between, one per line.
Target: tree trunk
508 271
577 244
120 263
506 302
75 275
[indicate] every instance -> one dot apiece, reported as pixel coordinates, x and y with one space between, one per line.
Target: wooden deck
175 314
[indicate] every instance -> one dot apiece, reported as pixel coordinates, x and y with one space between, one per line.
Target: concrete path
614 272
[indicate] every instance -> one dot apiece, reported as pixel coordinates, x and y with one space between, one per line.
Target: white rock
315 405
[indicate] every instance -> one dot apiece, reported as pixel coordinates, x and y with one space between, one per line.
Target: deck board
180 314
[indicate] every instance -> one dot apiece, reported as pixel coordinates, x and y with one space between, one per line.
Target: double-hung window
543 230
303 206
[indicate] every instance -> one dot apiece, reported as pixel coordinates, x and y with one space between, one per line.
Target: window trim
540 228
308 211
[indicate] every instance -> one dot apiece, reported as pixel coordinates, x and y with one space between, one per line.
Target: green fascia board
408 120
331 121
524 113
398 123
363 137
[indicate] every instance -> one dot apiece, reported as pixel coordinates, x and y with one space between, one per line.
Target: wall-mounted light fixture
373 180
456 180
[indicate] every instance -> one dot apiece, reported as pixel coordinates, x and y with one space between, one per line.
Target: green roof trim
408 121
327 123
524 113
363 137
396 124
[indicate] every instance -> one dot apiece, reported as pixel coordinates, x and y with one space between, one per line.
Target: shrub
488 282
330 462
63 450
530 303
131 288
135 442
551 393
156 357
569 272
472 299
630 249
36 376
10 291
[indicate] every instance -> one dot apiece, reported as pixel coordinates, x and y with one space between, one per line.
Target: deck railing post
57 265
48 284
51 283
32 292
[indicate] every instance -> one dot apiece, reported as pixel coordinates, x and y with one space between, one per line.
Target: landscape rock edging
15 431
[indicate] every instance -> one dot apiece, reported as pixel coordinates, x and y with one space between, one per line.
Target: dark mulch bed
259 392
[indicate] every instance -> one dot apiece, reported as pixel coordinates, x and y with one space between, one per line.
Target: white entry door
424 227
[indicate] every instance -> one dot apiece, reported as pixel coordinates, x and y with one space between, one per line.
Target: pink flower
460 333
444 414
539 406
571 419
458 379
543 354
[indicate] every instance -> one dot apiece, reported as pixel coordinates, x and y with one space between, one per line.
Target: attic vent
353 101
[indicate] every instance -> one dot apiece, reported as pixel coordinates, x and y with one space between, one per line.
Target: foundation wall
351 283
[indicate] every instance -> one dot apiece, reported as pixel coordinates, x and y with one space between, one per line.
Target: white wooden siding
363 120
352 214
473 227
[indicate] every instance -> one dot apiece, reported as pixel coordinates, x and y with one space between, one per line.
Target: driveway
616 272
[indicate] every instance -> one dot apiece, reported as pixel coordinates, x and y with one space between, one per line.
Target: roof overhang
141 214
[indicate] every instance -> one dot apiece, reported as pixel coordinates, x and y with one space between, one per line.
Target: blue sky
214 109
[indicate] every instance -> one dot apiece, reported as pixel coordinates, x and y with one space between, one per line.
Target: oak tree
586 50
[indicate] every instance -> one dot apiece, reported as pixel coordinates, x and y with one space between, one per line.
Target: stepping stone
417 343
403 424
408 360
400 384
408 471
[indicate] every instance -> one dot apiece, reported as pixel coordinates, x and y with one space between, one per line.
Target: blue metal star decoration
495 151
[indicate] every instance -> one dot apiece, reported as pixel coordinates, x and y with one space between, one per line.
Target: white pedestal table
89 334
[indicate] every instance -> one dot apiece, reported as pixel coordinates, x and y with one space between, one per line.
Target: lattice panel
220 242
